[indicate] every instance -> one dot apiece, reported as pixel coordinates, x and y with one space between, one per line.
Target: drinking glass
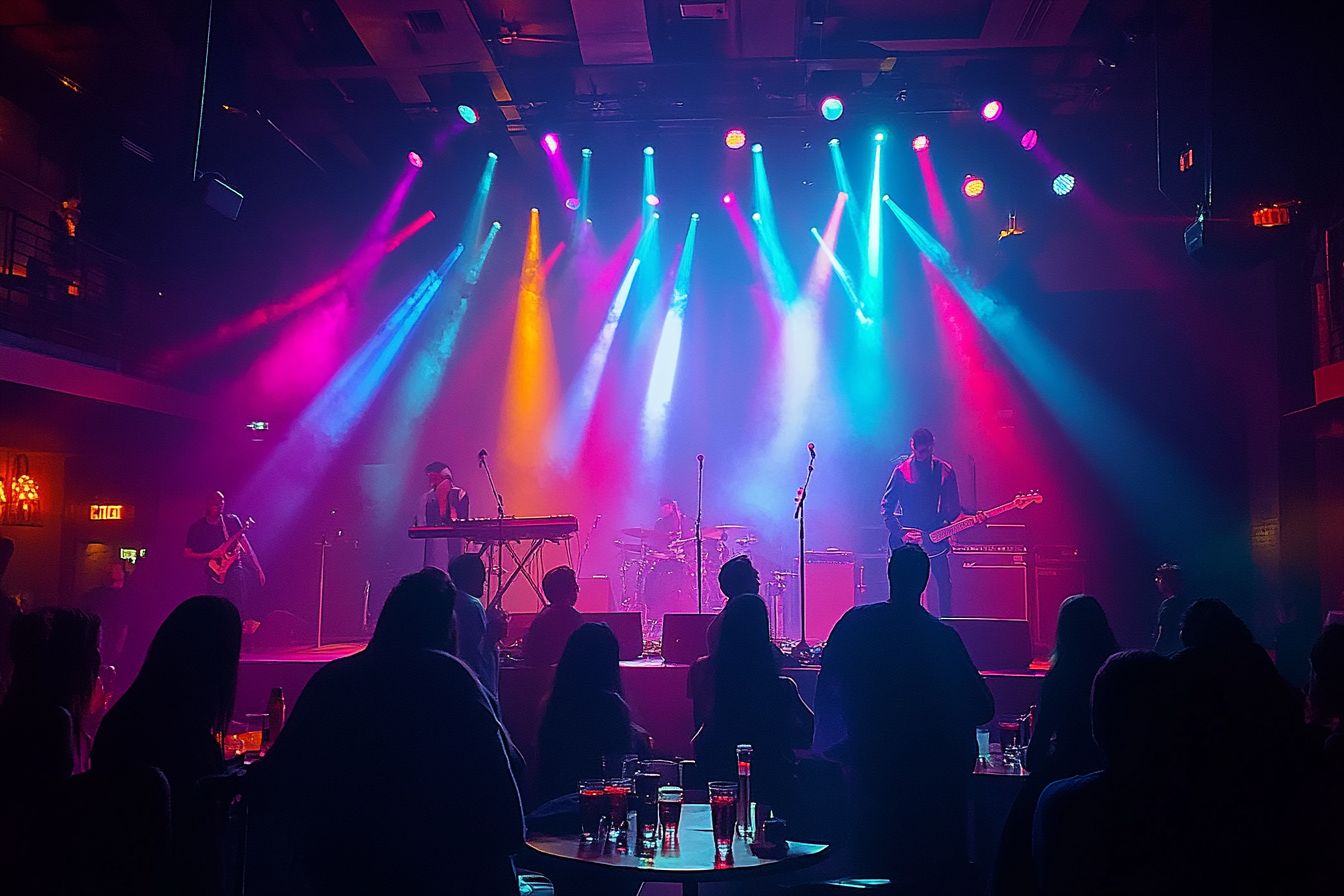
618 806
258 726
593 808
669 810
723 809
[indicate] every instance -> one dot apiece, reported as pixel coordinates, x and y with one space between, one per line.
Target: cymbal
632 547
643 534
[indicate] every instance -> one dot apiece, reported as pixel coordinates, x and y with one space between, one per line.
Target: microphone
480 457
700 459
812 450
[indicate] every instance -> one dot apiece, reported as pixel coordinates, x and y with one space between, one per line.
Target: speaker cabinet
628 629
684 636
1056 582
594 595
988 584
830 591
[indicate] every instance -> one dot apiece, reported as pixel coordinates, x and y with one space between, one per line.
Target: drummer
670 523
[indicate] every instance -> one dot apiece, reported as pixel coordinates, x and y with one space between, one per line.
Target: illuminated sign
131 554
106 511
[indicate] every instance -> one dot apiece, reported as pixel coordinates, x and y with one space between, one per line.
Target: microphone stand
699 538
322 577
801 652
496 552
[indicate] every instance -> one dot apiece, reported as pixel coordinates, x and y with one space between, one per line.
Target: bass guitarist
922 496
220 539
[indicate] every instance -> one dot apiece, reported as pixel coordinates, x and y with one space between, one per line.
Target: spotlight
1064 184
551 142
727 198
832 108
920 143
835 141
972 186
587 153
755 216
648 150
491 155
695 216
1029 139
469 115
572 204
991 110
879 137
735 138
652 200
414 158
655 216
756 147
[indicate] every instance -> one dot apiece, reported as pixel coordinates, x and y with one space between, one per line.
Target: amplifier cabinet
988 584
1056 582
830 591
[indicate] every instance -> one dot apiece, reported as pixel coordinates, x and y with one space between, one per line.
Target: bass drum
669 587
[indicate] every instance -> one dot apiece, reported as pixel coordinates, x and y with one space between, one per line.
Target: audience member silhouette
1311 863
1121 830
171 717
899 698
1325 693
110 602
736 577
475 647
753 704
431 806
9 611
1061 744
1170 582
586 716
550 630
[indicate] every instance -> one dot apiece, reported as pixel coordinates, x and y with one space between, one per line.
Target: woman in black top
586 716
753 704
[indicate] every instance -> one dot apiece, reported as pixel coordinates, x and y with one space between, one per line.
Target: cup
723 810
257 725
618 806
982 740
593 808
669 811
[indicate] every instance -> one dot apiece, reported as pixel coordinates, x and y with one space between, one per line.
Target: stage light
735 138
491 155
727 198
835 141
920 143
1029 139
1064 184
1271 216
469 115
652 200
972 186
648 150
587 153
832 108
756 216
414 158
879 137
572 204
991 110
655 216
695 216
756 147
551 142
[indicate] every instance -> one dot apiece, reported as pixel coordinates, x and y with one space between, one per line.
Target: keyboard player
443 503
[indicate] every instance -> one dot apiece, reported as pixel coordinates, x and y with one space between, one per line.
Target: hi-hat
637 532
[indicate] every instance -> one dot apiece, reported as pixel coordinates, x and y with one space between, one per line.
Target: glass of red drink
618 808
723 810
669 810
594 806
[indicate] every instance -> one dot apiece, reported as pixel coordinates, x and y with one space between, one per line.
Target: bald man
206 541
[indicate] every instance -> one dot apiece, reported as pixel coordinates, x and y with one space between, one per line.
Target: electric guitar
233 549
937 543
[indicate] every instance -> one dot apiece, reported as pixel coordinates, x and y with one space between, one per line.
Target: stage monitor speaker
997 645
988 584
519 623
627 627
684 636
1056 582
830 591
594 595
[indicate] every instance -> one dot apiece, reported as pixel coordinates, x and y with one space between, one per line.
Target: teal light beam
845 280
664 373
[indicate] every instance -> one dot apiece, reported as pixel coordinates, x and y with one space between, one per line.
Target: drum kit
658 572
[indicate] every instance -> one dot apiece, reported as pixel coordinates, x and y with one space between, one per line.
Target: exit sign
106 511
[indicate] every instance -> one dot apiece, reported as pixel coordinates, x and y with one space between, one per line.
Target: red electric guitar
233 549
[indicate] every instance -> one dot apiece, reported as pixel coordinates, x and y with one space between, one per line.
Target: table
691 862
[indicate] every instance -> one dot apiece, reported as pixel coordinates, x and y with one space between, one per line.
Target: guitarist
208 539
922 496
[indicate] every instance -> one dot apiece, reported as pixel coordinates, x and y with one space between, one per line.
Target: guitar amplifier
988 584
830 591
1056 582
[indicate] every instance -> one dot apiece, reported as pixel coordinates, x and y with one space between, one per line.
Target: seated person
546 637
477 643
586 716
433 805
736 577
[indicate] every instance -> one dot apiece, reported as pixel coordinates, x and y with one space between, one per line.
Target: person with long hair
753 704
586 716
172 718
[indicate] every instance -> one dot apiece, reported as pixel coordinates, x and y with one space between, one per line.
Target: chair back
120 824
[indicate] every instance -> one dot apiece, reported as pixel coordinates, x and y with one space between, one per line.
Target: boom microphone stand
497 551
801 651
699 538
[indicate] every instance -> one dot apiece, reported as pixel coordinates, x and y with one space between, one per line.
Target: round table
689 860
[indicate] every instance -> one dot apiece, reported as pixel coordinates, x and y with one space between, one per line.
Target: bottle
745 818
275 708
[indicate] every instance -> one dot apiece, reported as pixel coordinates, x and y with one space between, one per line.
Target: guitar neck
962 525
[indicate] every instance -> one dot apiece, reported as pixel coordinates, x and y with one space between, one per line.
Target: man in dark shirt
1175 602
898 701
206 540
546 637
922 496
736 577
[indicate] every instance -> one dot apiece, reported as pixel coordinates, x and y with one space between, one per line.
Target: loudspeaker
628 629
1056 582
221 197
998 645
594 595
830 591
684 636
988 584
